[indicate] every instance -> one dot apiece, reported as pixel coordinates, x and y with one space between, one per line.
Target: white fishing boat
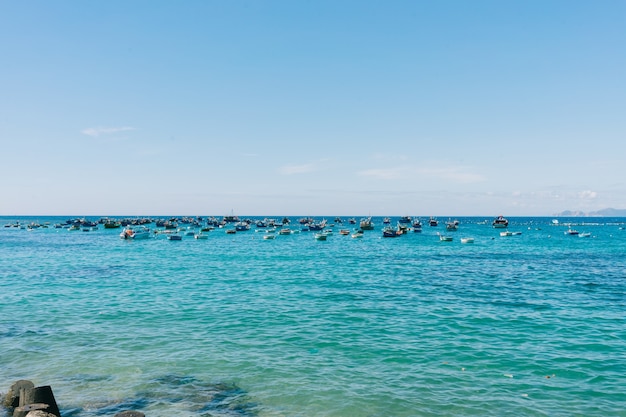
137 233
467 240
357 234
509 233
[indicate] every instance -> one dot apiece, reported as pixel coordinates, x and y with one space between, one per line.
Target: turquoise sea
235 325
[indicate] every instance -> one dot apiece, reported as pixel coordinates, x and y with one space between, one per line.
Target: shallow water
235 325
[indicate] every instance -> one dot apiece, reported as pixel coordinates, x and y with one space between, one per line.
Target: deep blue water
235 325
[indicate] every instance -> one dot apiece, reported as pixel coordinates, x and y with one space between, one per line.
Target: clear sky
312 107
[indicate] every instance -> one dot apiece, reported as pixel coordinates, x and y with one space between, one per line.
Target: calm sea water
234 325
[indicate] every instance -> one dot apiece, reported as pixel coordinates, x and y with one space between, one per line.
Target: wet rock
130 413
39 413
12 399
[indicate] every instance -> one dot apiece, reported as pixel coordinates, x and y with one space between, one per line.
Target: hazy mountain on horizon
607 212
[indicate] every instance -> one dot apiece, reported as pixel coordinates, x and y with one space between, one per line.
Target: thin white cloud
297 169
385 173
456 174
587 195
100 131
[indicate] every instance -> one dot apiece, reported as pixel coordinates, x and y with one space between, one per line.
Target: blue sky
312 107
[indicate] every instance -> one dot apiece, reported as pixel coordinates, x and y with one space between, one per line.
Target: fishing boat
444 238
127 233
417 226
344 232
357 234
174 237
200 235
571 232
405 220
391 232
366 224
321 236
141 232
509 233
467 240
112 224
317 226
433 222
584 234
452 226
242 226
230 219
269 236
500 222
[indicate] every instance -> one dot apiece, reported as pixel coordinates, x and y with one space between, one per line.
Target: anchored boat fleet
176 228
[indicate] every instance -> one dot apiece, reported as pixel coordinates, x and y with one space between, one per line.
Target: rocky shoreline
24 399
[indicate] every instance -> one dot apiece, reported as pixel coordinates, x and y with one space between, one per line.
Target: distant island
607 212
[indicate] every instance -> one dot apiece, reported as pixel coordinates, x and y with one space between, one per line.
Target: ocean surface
527 325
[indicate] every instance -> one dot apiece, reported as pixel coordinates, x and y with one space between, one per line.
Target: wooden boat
366 224
391 232
110 224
